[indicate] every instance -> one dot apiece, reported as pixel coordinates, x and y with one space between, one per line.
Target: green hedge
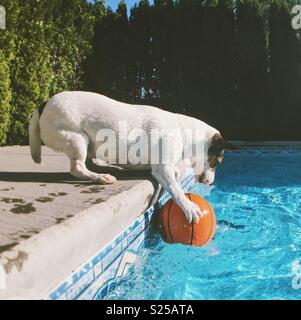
45 46
5 98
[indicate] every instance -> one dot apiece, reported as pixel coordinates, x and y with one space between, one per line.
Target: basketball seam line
162 227
210 229
192 225
169 228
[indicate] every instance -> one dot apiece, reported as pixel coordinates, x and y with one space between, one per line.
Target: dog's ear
219 142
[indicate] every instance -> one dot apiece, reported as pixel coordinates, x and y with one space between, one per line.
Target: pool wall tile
100 275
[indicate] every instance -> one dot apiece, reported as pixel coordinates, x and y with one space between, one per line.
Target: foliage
234 64
5 98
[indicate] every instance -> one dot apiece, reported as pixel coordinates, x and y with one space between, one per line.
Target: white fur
70 123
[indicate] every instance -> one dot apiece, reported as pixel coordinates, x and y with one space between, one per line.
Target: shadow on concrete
117 171
49 177
62 177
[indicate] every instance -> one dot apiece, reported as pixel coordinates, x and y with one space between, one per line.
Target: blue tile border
101 274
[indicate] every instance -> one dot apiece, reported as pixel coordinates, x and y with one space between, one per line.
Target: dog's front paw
107 179
193 212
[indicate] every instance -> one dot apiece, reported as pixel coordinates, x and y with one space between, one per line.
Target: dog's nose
202 179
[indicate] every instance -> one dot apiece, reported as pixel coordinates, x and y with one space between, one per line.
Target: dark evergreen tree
120 51
251 71
285 75
109 60
159 60
141 70
218 64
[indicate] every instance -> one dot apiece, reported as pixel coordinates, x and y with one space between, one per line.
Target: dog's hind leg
76 147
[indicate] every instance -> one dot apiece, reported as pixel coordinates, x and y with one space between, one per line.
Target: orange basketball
176 229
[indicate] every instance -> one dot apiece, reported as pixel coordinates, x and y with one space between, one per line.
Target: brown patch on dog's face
215 158
217 149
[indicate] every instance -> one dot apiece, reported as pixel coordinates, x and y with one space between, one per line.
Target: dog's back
71 114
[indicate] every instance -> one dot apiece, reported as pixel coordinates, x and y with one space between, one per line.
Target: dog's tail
35 135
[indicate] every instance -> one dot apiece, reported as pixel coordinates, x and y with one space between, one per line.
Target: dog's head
214 157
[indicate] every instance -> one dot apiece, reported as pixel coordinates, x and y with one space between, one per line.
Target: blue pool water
256 253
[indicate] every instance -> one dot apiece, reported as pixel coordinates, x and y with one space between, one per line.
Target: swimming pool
256 251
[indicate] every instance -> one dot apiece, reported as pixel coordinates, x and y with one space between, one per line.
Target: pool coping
270 144
37 265
102 273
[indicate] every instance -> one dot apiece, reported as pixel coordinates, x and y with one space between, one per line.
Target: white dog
75 123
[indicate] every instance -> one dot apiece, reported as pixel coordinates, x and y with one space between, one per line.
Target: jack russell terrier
75 123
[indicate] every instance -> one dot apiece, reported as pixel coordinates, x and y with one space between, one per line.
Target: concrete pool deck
46 216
